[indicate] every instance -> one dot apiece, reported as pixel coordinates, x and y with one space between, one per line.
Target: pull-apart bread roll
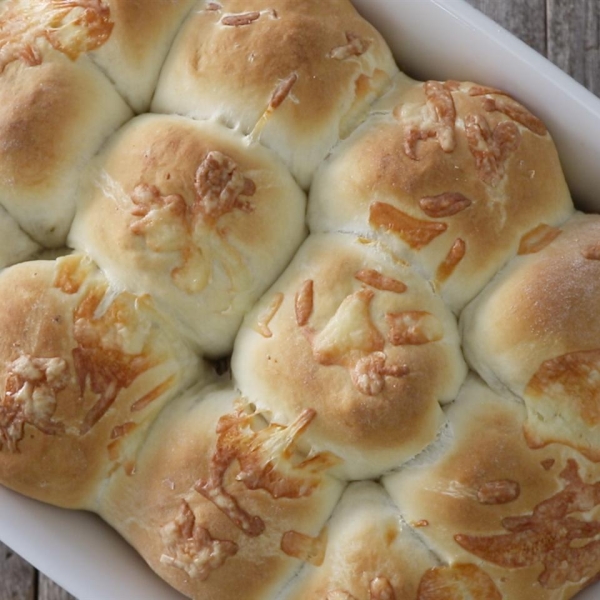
142 33
529 518
228 507
189 231
371 554
187 212
452 175
535 332
57 109
296 75
83 370
360 339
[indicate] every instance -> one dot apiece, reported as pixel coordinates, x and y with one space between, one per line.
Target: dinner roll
84 370
452 175
226 507
527 517
138 44
187 212
296 76
57 110
358 337
534 332
371 553
209 361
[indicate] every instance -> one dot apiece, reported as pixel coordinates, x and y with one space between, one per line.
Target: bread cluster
296 325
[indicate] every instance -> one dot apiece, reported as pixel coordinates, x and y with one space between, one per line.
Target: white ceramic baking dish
441 39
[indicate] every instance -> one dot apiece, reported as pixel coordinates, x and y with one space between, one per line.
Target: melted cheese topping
72 27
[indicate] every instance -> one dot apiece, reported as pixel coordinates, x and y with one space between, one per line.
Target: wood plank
17 577
574 39
48 590
524 18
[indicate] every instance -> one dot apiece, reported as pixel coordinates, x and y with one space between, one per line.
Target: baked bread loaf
452 175
139 41
371 552
57 109
210 359
184 211
346 321
228 498
483 494
546 351
86 369
297 76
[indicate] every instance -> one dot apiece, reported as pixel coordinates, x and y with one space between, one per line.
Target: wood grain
574 39
20 581
566 31
48 590
524 18
17 578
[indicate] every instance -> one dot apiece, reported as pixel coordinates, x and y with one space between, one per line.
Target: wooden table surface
566 31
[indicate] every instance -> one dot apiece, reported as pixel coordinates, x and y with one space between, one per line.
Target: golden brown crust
387 353
456 582
166 511
545 346
57 109
540 536
307 73
373 555
346 360
370 553
84 370
42 151
452 181
186 212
